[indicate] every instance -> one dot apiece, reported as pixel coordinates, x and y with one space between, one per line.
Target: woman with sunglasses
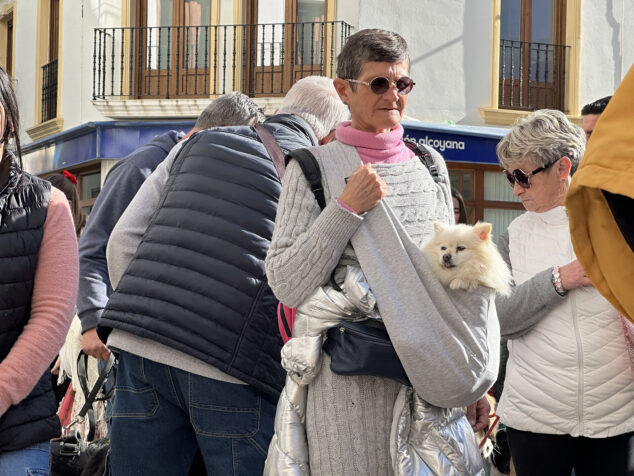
380 203
38 288
568 398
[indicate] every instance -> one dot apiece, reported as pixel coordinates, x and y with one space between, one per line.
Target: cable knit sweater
348 419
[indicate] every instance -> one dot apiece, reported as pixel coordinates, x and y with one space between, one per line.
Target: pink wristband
343 205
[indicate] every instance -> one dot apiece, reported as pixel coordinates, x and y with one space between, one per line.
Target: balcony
532 75
185 62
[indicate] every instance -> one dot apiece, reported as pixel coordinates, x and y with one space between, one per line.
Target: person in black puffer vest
192 315
38 288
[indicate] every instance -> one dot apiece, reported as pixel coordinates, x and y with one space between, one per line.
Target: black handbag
70 453
358 349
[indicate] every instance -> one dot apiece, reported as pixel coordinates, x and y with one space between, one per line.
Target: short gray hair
370 45
232 109
544 136
315 100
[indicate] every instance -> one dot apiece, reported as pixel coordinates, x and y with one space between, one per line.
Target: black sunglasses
522 178
381 84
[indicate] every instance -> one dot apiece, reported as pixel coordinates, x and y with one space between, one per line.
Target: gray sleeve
130 228
119 188
528 303
307 242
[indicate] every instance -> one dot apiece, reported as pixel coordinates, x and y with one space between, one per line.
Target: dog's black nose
446 257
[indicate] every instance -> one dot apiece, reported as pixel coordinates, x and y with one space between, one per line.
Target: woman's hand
573 276
364 190
478 414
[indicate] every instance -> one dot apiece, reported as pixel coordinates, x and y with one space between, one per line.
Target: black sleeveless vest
23 208
197 281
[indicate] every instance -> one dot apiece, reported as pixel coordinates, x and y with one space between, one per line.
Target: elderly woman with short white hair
568 398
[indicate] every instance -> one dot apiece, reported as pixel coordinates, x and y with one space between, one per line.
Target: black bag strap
425 157
285 323
90 394
273 148
310 168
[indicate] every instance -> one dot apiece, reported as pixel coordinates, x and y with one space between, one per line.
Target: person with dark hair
590 114
601 204
459 209
119 188
379 204
67 183
38 288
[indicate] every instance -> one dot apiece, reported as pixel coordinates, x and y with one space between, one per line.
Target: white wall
24 67
607 48
79 20
450 49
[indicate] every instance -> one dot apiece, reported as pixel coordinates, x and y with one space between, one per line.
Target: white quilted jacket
570 374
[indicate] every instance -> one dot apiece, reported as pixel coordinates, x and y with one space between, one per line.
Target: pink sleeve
343 205
52 306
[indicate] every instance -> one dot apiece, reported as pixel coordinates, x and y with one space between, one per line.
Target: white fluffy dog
464 257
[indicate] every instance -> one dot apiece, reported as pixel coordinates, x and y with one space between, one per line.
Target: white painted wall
450 49
24 67
78 22
607 48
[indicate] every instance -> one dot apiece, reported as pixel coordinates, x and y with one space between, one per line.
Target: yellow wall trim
507 117
6 14
45 129
573 39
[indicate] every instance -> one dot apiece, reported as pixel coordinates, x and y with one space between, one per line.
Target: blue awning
116 139
94 140
457 143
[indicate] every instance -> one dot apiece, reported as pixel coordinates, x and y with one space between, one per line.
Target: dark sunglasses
381 84
522 178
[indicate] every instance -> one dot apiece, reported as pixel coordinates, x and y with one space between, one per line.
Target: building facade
97 78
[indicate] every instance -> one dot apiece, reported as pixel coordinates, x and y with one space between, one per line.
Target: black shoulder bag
70 453
356 348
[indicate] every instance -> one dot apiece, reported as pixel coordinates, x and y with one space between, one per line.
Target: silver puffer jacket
425 440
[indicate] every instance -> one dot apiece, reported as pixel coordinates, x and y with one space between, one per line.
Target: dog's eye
460 248
443 248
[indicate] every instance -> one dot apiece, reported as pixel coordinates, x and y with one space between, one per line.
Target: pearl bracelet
556 280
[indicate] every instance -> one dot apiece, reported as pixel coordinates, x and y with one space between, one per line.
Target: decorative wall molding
45 129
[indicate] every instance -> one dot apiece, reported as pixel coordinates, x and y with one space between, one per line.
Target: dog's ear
438 226
483 230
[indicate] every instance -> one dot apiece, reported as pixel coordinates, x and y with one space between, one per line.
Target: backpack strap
273 148
310 169
425 157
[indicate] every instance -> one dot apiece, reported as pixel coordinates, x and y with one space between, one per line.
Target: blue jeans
30 461
162 415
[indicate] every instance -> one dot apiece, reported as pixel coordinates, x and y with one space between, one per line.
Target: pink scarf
382 148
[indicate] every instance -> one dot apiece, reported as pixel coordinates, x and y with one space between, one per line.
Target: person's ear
563 168
343 89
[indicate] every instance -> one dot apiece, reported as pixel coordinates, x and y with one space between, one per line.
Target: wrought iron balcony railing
532 75
199 61
49 91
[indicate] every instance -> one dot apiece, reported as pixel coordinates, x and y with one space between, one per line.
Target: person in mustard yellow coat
600 202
